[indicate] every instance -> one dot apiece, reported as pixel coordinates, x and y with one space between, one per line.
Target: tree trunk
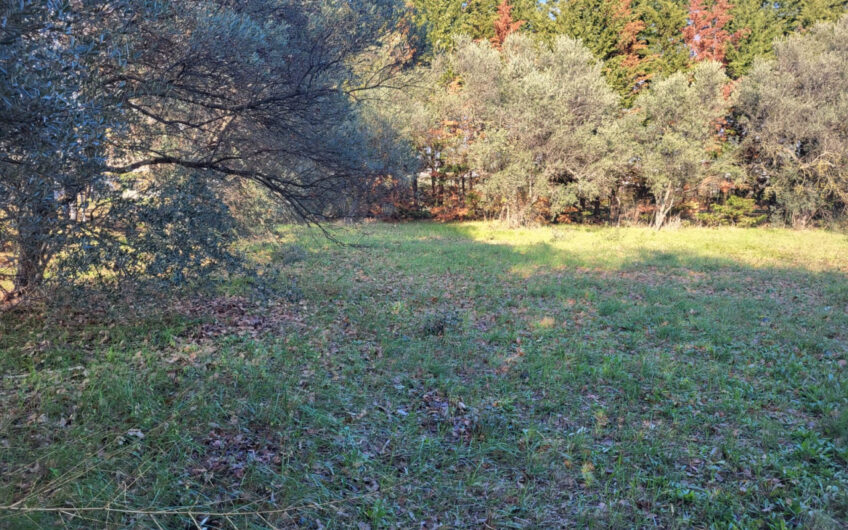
615 208
433 186
663 207
29 270
415 191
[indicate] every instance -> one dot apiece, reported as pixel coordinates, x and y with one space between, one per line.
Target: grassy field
456 376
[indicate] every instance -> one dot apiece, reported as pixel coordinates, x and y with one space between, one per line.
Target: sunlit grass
463 375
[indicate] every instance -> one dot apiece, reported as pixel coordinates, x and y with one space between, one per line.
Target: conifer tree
612 31
664 20
705 34
758 25
812 11
504 25
444 20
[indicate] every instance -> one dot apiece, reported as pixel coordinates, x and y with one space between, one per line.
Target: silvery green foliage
794 111
670 132
63 215
51 136
122 124
540 110
265 90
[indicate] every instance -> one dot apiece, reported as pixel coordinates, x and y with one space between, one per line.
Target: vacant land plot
450 375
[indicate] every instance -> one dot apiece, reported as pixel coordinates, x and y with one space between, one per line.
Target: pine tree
759 24
444 20
633 65
439 21
812 11
664 20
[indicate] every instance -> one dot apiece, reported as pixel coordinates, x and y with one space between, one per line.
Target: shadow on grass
591 379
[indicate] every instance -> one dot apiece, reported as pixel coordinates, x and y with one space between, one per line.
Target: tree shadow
640 376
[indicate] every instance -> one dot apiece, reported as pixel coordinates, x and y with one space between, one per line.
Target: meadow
431 375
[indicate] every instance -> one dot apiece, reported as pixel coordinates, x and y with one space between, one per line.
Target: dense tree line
138 137
560 121
636 40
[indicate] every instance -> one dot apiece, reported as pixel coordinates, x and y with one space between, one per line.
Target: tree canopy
138 136
108 106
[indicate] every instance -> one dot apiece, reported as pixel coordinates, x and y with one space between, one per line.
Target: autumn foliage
635 61
706 35
504 24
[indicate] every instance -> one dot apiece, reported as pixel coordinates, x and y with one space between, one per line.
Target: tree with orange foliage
504 25
705 34
631 66
613 32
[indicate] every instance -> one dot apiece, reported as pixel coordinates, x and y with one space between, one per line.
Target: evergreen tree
758 24
812 11
444 20
612 31
664 22
504 24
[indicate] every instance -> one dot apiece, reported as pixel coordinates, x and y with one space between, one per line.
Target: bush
792 110
735 211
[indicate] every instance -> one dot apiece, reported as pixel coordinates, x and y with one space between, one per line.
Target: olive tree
672 133
264 90
123 121
540 109
794 110
52 136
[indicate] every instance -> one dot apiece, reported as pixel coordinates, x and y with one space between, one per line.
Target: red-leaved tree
504 25
705 35
634 62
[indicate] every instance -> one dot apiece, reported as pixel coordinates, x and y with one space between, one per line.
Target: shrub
735 211
793 112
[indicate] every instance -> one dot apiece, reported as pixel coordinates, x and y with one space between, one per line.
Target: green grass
457 375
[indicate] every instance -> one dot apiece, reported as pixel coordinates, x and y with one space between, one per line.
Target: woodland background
204 324
138 138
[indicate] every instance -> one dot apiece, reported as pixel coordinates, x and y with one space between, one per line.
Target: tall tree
504 24
812 11
613 31
758 24
672 129
705 34
664 21
444 20
793 111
